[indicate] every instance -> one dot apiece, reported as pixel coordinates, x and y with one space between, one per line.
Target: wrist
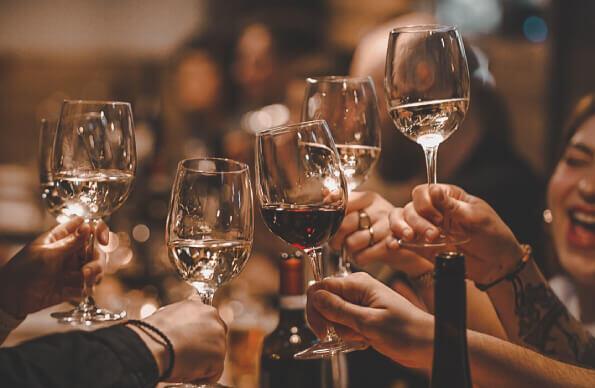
158 351
503 265
420 341
8 299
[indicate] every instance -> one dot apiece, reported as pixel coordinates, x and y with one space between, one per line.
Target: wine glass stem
87 301
315 255
431 154
344 263
205 292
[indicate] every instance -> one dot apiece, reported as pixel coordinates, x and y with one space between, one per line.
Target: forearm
497 363
534 317
481 315
106 358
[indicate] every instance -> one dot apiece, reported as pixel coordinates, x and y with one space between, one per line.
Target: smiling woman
571 197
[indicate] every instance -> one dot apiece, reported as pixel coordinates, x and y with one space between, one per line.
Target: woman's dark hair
583 109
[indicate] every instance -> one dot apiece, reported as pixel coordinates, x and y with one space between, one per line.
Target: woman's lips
581 229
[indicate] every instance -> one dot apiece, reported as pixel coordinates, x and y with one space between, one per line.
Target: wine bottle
450 364
278 368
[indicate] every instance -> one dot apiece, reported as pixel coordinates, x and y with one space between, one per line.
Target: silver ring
364 221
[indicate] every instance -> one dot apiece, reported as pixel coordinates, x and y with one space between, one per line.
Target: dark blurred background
204 75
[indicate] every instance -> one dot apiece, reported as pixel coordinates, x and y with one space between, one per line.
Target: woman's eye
574 161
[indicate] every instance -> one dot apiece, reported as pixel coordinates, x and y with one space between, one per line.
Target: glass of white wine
427 91
210 225
349 107
93 163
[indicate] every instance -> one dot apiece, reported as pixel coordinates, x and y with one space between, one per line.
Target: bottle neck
450 364
291 309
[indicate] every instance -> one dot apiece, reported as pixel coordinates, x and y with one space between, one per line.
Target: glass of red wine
303 195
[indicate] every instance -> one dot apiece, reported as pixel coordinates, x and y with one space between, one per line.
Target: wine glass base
188 385
327 349
88 316
441 241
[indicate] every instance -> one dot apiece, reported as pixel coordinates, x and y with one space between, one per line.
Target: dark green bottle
278 368
450 367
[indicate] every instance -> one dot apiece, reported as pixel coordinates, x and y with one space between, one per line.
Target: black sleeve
111 357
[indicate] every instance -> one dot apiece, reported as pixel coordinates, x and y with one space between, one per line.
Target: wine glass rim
289 127
424 28
339 79
96 102
240 167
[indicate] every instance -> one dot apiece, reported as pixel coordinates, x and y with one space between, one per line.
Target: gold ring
364 220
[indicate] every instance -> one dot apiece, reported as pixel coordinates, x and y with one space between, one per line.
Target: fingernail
392 243
430 234
105 236
407 233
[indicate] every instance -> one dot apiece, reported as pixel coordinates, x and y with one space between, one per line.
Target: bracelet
423 281
166 343
509 276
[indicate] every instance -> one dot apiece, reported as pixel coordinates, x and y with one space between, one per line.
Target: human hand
198 336
492 250
363 309
384 247
50 269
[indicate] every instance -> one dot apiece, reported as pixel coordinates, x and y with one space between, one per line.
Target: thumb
335 309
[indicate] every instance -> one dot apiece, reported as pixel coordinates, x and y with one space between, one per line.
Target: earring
547 216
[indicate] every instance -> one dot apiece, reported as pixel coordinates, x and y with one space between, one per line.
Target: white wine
52 201
213 262
357 161
429 123
90 194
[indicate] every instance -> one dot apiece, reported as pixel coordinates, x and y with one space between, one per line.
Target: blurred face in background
255 63
571 198
198 82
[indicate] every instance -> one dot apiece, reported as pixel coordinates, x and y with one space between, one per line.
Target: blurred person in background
196 108
478 157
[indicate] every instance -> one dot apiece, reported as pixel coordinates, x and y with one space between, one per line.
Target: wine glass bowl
303 194
427 92
92 168
349 107
210 222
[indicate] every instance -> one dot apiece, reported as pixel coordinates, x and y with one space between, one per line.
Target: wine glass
348 105
49 194
427 91
210 224
93 163
303 195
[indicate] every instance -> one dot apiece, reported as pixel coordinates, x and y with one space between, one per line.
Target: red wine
303 226
450 364
278 368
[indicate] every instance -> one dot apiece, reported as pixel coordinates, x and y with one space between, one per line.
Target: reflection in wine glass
427 91
349 107
210 224
92 167
303 195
